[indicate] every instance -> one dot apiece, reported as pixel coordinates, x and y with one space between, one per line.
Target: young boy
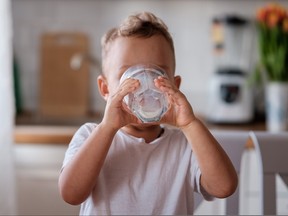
123 166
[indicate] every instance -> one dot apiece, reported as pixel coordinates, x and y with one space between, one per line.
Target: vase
276 96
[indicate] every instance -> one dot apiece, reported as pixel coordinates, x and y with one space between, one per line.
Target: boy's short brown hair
144 24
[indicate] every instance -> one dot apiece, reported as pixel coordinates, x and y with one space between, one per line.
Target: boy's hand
180 112
116 112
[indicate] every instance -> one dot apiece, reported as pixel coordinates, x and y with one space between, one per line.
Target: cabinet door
64 91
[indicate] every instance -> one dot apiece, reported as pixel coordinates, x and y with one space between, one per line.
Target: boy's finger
128 86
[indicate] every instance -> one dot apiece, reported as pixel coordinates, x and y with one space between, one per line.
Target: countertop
32 128
62 134
43 134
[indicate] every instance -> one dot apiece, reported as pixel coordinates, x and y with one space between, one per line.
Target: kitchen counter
49 134
33 128
43 134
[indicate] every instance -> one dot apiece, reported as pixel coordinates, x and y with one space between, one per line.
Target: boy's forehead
125 52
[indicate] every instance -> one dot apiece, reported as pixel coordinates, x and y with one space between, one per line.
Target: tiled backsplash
188 21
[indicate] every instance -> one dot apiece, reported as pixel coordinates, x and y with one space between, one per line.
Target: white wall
189 23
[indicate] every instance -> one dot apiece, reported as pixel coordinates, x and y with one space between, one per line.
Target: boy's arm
218 177
79 176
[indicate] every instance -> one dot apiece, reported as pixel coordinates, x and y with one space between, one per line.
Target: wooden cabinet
64 91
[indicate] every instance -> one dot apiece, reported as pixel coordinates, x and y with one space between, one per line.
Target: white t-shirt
140 178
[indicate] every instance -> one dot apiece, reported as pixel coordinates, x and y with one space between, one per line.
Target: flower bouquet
272 23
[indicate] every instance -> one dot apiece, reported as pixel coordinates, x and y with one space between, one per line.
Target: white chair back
233 142
272 155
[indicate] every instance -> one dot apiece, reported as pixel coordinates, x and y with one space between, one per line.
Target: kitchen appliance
230 95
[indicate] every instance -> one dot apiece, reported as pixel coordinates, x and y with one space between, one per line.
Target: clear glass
148 103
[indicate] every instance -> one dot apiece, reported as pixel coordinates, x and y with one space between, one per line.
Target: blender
230 95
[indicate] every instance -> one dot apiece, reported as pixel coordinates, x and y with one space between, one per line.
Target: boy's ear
103 86
177 81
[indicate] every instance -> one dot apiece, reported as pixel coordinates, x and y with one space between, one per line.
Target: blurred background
56 58
35 23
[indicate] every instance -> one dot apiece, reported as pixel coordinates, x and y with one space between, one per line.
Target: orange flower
273 19
261 15
285 25
274 7
271 15
281 12
273 35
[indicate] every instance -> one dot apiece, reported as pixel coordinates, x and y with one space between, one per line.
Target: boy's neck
148 133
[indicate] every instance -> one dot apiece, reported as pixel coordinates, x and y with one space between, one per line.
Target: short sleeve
196 175
77 140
